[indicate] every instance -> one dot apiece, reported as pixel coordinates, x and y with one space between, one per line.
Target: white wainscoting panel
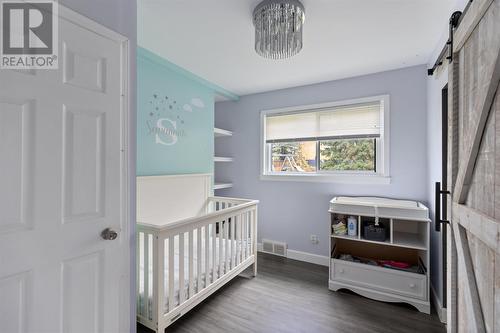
164 199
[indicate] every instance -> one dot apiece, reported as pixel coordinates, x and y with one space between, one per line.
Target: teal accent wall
175 119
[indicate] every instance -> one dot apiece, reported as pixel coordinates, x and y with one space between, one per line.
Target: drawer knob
412 285
341 270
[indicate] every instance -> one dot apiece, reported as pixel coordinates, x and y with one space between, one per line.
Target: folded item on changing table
339 229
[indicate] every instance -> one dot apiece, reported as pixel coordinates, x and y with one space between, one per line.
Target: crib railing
183 261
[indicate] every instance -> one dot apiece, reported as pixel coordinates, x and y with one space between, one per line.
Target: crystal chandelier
278 28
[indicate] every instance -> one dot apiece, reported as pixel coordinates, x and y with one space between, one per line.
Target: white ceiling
342 38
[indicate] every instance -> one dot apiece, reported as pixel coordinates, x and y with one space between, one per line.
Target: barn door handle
437 210
109 234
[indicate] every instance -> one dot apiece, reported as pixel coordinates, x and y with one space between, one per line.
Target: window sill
322 178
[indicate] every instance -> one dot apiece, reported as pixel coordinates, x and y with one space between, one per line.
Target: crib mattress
216 269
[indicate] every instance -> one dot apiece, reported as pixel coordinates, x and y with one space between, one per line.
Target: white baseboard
303 256
442 313
308 257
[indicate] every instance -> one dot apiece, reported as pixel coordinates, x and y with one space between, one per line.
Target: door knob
109 234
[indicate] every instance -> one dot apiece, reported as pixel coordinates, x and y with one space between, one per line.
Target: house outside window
346 141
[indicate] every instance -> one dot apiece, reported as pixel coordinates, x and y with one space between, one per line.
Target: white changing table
407 240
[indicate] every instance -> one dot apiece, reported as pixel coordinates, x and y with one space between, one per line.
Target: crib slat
251 232
243 220
247 222
221 244
181 269
198 260
247 219
212 237
233 225
231 242
158 276
139 273
146 276
222 260
238 240
191 273
244 243
171 272
206 247
242 223
226 247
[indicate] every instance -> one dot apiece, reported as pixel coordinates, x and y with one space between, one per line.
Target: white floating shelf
222 159
219 132
219 186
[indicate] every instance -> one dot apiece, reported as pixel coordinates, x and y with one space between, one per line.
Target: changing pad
381 207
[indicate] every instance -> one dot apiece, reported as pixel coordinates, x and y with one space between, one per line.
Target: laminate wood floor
293 296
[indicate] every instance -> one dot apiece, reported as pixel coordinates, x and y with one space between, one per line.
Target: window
331 141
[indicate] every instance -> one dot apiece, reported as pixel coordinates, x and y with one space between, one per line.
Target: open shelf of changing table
403 233
407 240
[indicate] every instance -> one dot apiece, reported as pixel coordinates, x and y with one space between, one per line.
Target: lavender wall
292 211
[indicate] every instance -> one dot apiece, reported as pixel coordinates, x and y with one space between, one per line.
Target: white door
62 182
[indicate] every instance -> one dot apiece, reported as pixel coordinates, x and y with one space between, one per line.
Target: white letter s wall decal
161 129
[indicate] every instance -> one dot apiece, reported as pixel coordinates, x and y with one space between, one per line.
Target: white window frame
381 176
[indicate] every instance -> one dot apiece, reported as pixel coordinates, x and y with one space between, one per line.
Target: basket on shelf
375 232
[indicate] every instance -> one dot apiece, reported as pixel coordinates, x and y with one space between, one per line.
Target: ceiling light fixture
278 28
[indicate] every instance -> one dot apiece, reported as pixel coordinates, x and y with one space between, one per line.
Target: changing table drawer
380 278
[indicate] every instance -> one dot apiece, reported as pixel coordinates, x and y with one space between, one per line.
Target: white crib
189 244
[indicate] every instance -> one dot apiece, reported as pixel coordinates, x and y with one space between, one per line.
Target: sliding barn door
474 171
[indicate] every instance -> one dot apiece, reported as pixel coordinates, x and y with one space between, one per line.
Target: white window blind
350 121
